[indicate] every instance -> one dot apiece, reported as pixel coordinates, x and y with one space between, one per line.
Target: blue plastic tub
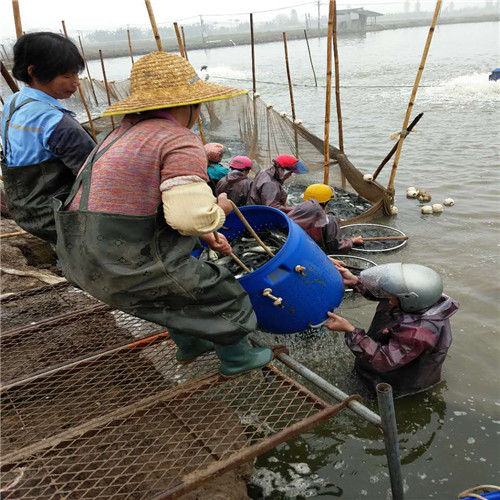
305 299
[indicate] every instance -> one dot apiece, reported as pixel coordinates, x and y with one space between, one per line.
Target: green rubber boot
239 358
190 347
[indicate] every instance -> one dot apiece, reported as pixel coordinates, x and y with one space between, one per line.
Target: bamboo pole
17 18
87 68
82 97
337 85
184 42
12 235
310 58
329 46
393 150
414 93
131 52
183 54
179 40
8 78
154 26
106 85
290 89
255 132
252 41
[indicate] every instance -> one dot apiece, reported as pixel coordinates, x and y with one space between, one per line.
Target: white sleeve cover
192 209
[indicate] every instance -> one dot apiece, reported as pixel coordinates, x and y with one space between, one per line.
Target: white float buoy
449 202
283 114
297 122
394 210
437 207
256 94
411 194
411 189
270 106
368 177
426 209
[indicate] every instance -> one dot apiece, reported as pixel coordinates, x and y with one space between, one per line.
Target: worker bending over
323 228
236 183
267 188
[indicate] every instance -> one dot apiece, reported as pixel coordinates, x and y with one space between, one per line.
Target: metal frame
402 244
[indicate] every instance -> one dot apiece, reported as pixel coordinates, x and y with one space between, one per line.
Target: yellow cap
319 192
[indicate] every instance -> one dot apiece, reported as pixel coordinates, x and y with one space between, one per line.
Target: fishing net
250 127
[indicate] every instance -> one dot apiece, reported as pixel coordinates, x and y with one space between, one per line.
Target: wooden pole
414 93
183 54
337 86
17 18
252 41
130 47
310 59
153 25
255 132
82 97
179 40
106 85
87 68
290 89
12 235
329 46
184 43
393 150
8 78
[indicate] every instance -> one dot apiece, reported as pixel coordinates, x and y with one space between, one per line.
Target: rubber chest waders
142 266
30 188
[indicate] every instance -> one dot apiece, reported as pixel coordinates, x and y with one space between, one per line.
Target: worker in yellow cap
323 228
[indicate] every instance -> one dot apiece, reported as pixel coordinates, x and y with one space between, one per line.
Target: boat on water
495 75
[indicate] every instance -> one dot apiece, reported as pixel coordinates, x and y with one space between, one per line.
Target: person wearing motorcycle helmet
323 228
410 334
216 171
267 188
236 183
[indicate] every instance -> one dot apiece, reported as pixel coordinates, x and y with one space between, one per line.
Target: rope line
324 86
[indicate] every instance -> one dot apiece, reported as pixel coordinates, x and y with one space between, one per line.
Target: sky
89 15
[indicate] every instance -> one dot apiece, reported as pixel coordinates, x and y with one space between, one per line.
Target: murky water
449 435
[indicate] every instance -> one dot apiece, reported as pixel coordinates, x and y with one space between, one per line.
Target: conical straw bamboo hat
163 80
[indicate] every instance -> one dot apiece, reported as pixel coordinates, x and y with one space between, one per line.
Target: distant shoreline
141 47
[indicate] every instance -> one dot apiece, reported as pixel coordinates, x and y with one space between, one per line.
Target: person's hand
337 263
347 276
338 324
357 240
222 246
223 203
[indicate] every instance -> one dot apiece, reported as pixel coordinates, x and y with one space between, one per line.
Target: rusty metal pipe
320 382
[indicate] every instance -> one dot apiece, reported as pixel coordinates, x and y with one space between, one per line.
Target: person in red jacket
407 341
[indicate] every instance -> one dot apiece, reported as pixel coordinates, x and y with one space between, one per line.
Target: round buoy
437 208
368 177
426 209
449 202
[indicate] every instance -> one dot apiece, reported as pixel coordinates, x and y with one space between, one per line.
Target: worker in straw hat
323 228
137 209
